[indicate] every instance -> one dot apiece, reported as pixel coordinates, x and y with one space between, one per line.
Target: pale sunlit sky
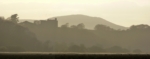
122 12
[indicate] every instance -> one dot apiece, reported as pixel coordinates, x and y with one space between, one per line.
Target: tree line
75 38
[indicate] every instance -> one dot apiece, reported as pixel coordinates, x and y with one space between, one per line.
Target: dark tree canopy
14 36
46 36
14 18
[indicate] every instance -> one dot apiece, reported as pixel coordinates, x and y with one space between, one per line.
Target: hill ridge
88 21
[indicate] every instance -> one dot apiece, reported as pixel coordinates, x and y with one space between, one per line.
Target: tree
82 48
65 25
139 27
73 26
137 51
2 18
14 18
102 27
74 48
12 34
46 46
16 49
81 26
118 49
77 48
96 49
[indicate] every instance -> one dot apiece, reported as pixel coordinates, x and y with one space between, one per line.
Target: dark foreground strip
71 56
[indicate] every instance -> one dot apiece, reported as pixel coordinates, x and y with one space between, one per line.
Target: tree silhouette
137 51
101 27
139 27
96 49
14 18
117 49
15 37
137 36
81 26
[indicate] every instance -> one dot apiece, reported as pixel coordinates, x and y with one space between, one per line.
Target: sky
121 12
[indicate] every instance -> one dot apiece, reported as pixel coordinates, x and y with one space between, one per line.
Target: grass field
71 56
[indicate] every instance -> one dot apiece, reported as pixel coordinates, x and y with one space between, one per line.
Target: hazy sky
122 12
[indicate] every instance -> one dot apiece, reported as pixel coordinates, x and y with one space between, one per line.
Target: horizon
121 12
78 23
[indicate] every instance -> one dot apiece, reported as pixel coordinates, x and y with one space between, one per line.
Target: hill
88 21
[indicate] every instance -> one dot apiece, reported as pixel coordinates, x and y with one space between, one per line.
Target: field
39 55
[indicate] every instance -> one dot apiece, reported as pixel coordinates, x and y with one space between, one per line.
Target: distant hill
88 21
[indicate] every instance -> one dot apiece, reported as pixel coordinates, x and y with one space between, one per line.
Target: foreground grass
71 56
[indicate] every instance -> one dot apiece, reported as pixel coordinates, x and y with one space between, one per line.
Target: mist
94 26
